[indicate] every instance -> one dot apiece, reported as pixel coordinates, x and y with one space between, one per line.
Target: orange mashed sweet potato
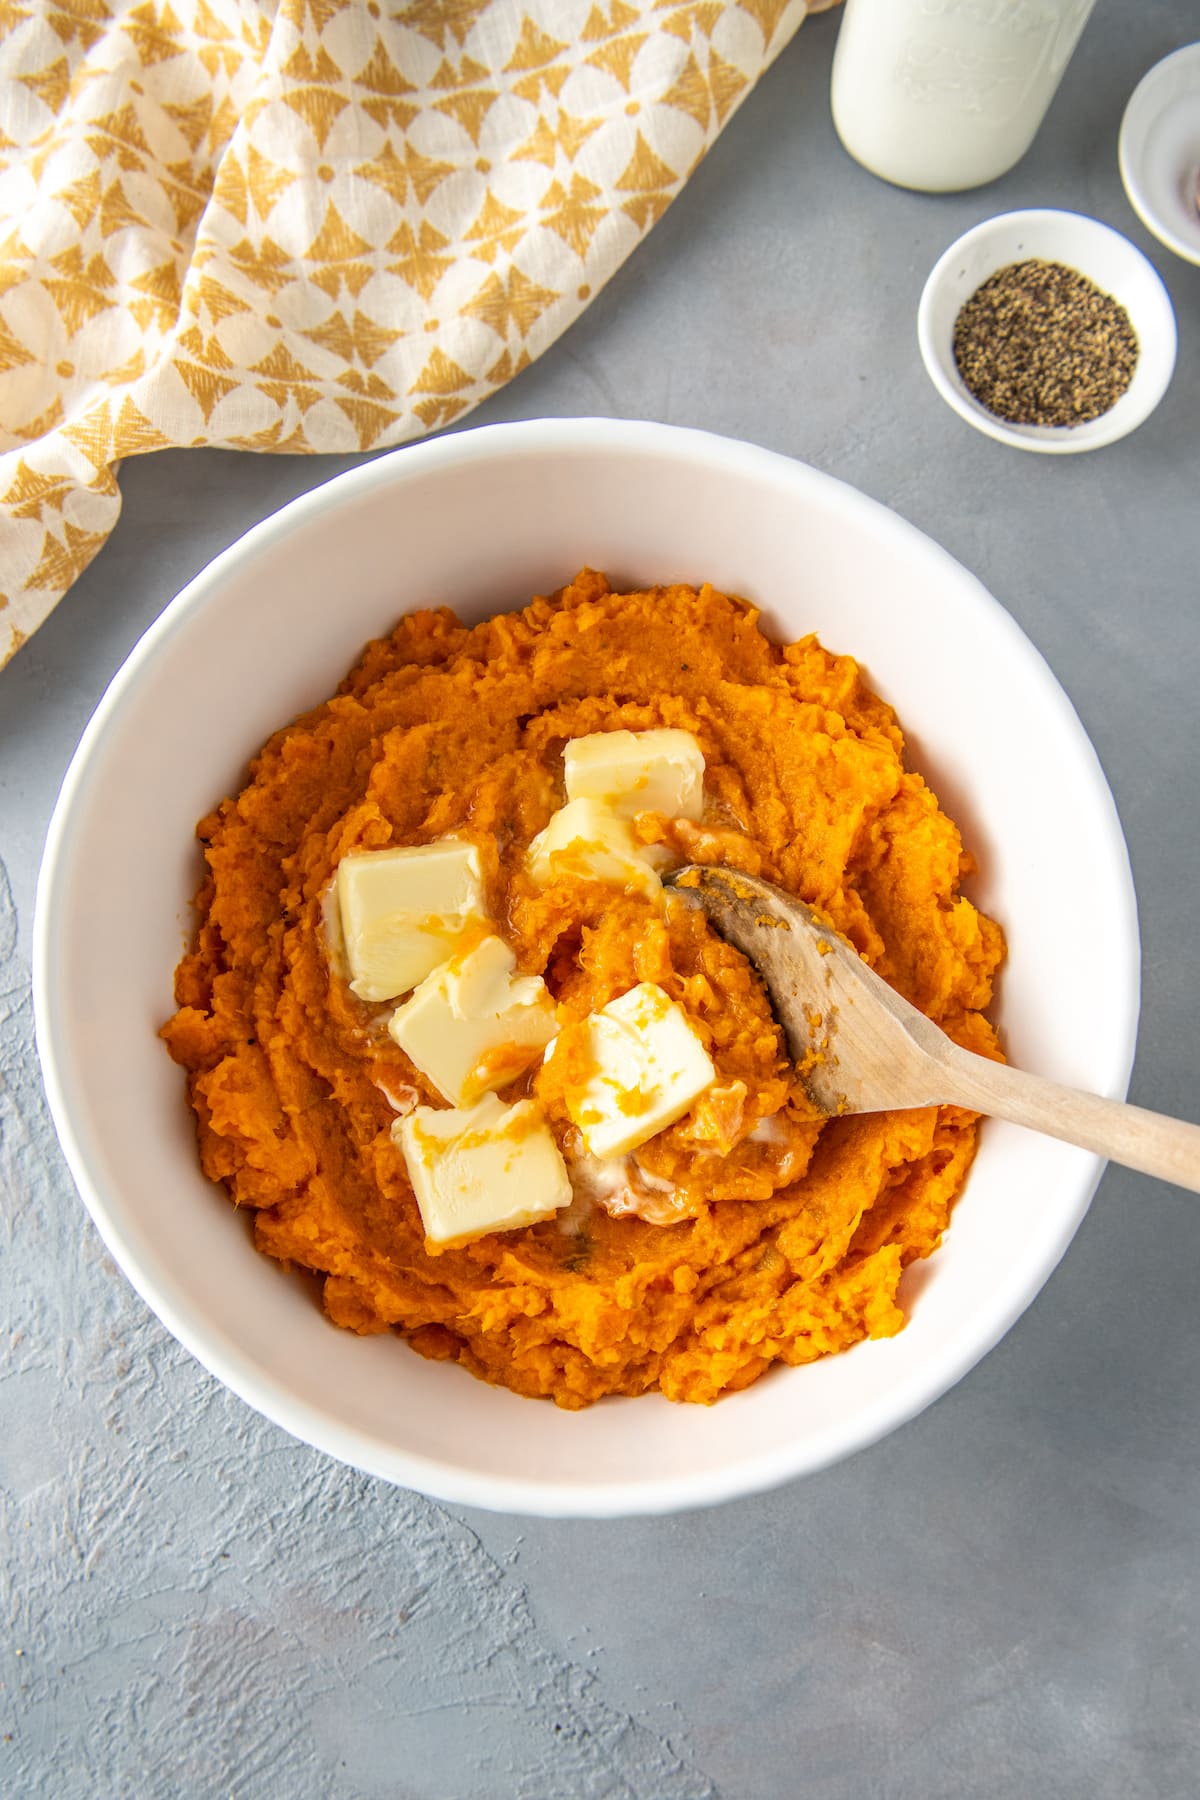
751 1232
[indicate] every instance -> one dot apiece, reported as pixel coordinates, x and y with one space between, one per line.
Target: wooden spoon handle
1150 1142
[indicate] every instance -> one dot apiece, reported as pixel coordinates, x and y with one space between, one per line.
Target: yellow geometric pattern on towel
319 225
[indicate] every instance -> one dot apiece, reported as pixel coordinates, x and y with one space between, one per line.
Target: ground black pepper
1040 344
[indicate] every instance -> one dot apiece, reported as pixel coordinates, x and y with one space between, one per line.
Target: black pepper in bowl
1040 344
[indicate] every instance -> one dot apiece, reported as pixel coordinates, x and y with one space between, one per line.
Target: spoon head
856 1044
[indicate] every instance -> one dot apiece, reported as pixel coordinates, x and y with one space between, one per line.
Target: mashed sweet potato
751 1232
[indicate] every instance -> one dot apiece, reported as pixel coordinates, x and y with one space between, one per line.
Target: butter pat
494 1168
404 911
587 840
637 771
645 1068
474 1024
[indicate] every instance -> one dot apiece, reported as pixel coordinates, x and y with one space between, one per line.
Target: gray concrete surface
999 1602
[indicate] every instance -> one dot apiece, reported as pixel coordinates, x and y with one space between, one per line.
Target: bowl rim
235 1367
1136 192
1096 434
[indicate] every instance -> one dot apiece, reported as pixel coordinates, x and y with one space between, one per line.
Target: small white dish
1159 151
1095 250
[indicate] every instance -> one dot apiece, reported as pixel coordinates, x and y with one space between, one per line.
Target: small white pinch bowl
1159 151
1115 265
482 520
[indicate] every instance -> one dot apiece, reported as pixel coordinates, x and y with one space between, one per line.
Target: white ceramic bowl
482 520
1105 257
1159 151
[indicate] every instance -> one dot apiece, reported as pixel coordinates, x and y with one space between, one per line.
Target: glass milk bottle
945 94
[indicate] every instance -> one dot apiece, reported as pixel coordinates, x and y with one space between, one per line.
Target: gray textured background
998 1603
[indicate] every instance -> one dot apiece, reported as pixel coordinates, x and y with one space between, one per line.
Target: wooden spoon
859 1047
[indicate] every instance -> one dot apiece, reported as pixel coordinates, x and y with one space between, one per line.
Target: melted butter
401 1098
622 1188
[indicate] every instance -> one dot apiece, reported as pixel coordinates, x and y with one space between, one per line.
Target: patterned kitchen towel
314 225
